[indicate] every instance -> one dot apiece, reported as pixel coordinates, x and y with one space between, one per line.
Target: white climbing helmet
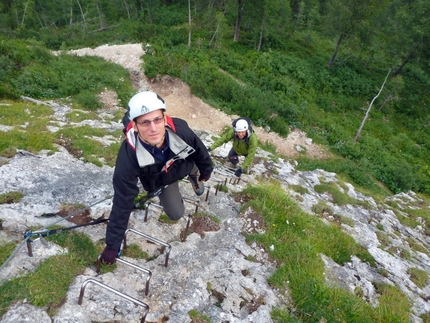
143 103
241 125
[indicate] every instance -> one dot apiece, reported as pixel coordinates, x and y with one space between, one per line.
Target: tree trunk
83 16
23 15
189 23
260 39
333 58
215 34
40 21
357 135
238 20
149 12
127 8
71 13
101 24
405 61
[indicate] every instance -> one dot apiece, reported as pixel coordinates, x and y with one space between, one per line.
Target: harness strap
184 153
46 232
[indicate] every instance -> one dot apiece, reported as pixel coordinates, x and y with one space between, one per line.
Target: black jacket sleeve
125 190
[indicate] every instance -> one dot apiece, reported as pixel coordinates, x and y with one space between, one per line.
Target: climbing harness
148 196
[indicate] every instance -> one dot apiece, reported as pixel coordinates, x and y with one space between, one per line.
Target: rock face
210 272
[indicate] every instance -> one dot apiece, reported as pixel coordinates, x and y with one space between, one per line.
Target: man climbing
159 151
245 143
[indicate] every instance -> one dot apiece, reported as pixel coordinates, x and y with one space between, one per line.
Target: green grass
339 197
197 317
134 251
80 143
33 134
48 284
347 170
30 132
417 246
420 277
11 197
299 239
6 250
299 189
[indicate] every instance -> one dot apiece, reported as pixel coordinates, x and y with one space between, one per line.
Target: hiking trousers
233 157
171 199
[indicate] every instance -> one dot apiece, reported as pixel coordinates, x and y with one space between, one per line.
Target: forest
354 75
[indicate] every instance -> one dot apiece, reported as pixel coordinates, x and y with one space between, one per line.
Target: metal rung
186 199
152 239
29 248
235 180
131 265
135 301
148 204
218 186
195 202
228 172
186 228
221 172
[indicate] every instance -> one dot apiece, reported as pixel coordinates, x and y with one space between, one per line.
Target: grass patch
267 146
197 317
6 250
133 251
347 170
383 239
81 115
339 198
48 284
29 132
399 252
417 246
298 240
299 189
11 197
78 141
322 209
223 188
165 219
406 220
346 220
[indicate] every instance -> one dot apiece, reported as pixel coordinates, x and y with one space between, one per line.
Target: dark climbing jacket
134 163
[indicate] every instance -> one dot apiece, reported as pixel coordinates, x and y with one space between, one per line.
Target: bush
88 100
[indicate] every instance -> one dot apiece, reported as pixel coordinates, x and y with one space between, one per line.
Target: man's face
151 128
241 134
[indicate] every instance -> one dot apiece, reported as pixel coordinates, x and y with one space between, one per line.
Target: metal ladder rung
131 265
148 204
192 201
152 239
117 292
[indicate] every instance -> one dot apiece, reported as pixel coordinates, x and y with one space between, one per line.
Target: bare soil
182 103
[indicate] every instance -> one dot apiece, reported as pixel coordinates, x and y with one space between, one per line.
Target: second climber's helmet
241 125
143 103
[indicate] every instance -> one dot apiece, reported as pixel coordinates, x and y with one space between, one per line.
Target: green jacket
242 147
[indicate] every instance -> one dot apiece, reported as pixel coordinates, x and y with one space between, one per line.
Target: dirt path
183 104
